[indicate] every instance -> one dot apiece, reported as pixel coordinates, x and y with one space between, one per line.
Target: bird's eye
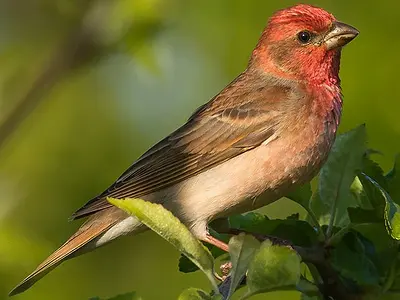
304 37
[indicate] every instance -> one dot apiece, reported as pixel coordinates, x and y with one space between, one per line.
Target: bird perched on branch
268 131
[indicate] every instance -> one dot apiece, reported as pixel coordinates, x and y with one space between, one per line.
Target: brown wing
240 118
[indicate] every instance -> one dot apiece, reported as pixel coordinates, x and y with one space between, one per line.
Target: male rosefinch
269 130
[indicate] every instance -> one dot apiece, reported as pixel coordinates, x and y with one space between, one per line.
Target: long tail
75 246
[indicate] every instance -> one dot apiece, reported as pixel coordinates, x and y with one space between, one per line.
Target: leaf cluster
346 246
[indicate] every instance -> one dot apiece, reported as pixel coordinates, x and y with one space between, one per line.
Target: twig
75 51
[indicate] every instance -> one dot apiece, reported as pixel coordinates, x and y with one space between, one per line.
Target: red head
303 42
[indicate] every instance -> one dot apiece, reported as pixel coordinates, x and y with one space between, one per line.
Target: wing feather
240 118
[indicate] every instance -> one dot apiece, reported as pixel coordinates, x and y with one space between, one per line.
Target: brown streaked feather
92 228
239 119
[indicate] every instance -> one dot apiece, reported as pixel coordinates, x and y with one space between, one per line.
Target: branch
77 49
332 287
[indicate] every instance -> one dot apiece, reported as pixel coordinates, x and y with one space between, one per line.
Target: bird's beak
339 35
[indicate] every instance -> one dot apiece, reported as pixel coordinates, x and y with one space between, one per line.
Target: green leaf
354 258
249 221
358 215
386 248
393 181
320 209
273 268
302 195
373 170
392 211
187 266
358 191
164 223
371 193
196 294
333 195
338 234
241 249
392 217
298 232
306 287
368 197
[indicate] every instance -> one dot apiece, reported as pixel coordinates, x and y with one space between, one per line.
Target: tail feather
71 248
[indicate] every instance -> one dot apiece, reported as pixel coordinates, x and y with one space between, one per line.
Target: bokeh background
87 86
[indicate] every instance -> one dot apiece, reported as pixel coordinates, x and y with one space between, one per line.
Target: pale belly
232 187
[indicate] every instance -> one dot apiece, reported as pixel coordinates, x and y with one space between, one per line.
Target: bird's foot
225 270
216 242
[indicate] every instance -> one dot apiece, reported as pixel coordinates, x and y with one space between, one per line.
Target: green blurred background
96 83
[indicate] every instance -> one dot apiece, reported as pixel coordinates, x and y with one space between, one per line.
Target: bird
268 131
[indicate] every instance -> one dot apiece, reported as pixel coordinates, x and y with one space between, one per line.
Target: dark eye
304 37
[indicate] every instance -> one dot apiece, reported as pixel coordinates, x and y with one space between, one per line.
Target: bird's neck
319 76
323 69
319 68
327 103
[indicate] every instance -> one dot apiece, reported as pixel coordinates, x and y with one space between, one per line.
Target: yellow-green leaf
164 223
392 211
241 249
273 268
333 196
